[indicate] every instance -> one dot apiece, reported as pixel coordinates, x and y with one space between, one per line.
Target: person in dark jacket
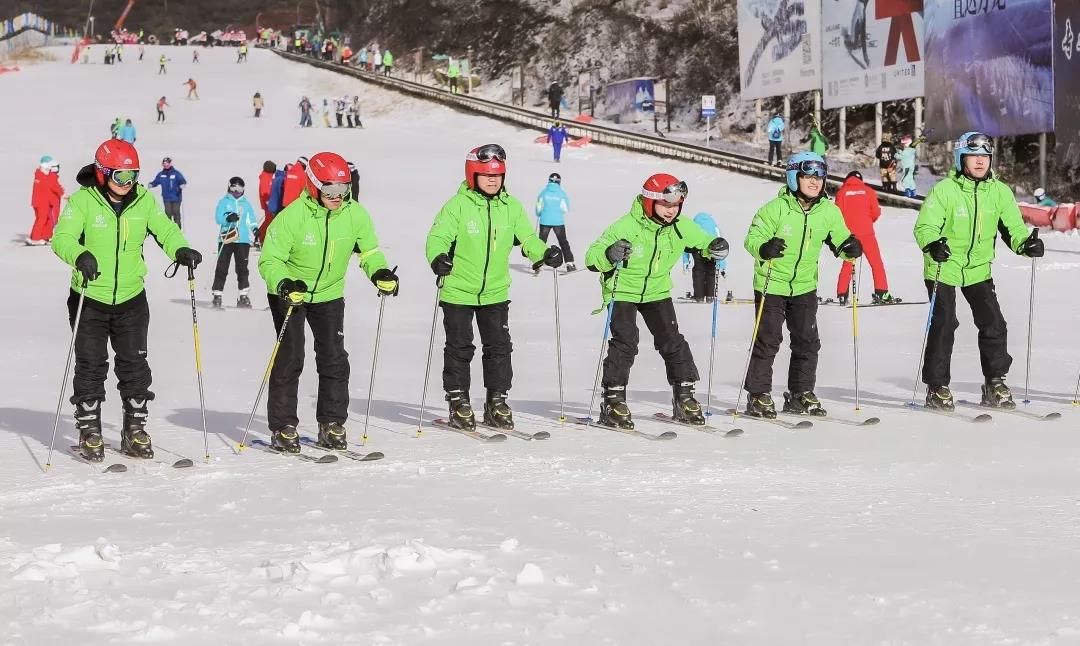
555 95
172 184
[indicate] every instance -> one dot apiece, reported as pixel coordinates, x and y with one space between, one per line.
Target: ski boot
243 302
996 394
134 440
685 408
841 299
216 303
884 298
570 267
941 398
88 423
332 436
461 412
804 403
497 412
613 409
761 405
730 297
287 440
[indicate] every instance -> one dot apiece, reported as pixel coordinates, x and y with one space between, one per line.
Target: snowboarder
257 103
552 205
109 214
161 105
193 89
703 273
775 128
304 261
172 185
557 134
1043 199
469 245
957 229
908 158
885 154
45 197
785 238
859 204
127 132
238 228
554 97
635 256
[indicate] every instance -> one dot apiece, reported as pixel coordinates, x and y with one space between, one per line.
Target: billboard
779 47
871 50
1067 81
989 67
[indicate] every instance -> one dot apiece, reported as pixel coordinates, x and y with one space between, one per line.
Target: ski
1041 417
322 459
115 467
525 435
182 463
585 421
869 421
898 302
345 453
800 425
704 428
476 435
977 419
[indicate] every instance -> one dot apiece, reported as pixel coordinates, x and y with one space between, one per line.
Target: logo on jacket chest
472 228
787 230
309 240
961 211
99 221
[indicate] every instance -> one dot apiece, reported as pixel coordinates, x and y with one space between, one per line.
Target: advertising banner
1067 81
779 47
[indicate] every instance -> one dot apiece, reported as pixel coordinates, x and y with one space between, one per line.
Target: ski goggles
555 178
487 153
674 194
236 190
811 167
978 143
335 191
124 177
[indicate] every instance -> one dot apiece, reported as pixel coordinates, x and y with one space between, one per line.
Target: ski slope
920 530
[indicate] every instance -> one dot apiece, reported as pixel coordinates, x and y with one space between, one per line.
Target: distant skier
885 154
1043 199
112 212
387 63
554 97
326 112
45 197
557 134
172 185
785 238
309 246
237 229
193 89
305 112
355 109
195 56
453 74
819 145
114 128
465 246
775 128
257 103
908 158
161 105
552 205
266 183
241 53
635 256
859 204
339 111
703 274
161 65
349 112
127 132
957 229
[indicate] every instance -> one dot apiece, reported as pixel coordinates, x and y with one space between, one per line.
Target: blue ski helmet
805 163
972 143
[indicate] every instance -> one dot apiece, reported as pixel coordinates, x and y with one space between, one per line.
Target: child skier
469 244
703 273
785 237
957 228
552 205
238 228
635 256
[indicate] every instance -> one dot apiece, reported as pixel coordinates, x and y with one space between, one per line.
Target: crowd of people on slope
331 48
346 111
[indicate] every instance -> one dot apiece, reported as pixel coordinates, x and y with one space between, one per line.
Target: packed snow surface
920 530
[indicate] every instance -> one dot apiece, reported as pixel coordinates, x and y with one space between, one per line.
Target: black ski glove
552 258
851 247
86 264
1033 246
386 281
232 217
287 287
619 251
442 265
188 257
772 249
718 249
938 250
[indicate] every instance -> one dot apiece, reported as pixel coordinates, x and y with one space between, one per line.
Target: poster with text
1067 82
871 50
779 47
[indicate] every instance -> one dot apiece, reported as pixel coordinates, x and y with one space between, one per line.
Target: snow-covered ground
921 530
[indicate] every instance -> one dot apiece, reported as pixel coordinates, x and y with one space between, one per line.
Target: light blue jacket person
127 132
708 225
552 205
775 128
244 225
908 159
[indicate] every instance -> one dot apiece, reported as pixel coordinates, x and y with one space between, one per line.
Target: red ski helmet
489 159
115 155
324 169
664 188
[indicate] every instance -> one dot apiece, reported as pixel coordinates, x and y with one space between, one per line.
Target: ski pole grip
191 273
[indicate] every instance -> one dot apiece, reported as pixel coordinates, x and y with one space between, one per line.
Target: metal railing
606 135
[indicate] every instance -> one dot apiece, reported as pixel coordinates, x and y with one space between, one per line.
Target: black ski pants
327 323
172 209
238 250
774 148
703 274
800 314
560 235
124 326
493 321
993 334
660 318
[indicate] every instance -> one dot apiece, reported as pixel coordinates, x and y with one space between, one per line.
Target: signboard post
660 101
708 110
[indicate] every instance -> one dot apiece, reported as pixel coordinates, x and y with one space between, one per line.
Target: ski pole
374 362
198 362
67 369
430 349
926 333
855 324
603 341
269 366
1031 321
712 340
1076 394
558 347
753 338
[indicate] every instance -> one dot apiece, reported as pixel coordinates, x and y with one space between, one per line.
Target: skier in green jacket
785 237
957 229
468 248
304 260
635 256
101 233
